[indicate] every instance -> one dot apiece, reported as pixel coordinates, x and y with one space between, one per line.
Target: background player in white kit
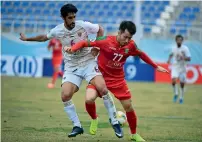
79 65
181 55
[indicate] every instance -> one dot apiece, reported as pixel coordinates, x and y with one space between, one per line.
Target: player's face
70 20
179 41
124 37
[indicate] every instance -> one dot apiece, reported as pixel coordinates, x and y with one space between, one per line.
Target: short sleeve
51 34
90 27
187 52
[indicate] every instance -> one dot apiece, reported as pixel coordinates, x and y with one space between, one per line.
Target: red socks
132 121
91 109
55 76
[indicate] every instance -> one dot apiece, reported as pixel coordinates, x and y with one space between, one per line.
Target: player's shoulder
185 47
82 23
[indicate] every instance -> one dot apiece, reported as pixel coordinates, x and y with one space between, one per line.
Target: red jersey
112 57
57 48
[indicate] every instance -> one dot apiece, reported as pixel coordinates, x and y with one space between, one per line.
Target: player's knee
103 91
66 95
128 107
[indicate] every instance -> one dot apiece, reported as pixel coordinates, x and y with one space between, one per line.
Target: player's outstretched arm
38 38
148 60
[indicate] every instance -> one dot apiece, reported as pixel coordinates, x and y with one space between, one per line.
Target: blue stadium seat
147 29
151 9
196 9
114 7
34 4
3 10
156 3
7 3
124 7
157 15
109 28
165 2
8 25
110 13
29 11
37 12
96 6
17 25
187 9
183 31
160 8
87 6
173 30
46 12
16 3
147 15
143 8
192 17
29 25
25 3
41 4
10 11
91 13
146 2
19 11
106 6
51 5
183 16
128 14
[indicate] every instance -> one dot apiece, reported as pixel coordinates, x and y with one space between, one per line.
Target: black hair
179 36
68 8
129 25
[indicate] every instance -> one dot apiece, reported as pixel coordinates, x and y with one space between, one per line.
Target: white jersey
177 54
70 37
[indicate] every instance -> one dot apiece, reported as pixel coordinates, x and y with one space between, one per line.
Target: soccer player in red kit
114 50
56 47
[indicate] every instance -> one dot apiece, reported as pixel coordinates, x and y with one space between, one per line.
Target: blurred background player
181 55
114 50
78 66
56 48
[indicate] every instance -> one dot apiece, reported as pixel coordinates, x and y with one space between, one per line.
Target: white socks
71 113
175 89
181 93
109 104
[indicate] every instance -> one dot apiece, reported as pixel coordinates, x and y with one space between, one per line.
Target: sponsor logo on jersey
113 48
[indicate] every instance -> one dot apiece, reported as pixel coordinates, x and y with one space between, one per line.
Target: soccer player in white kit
181 55
78 66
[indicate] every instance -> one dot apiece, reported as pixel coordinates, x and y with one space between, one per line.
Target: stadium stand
22 13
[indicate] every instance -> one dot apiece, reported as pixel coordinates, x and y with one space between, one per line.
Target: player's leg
182 79
123 94
56 71
91 95
95 78
174 76
132 119
70 85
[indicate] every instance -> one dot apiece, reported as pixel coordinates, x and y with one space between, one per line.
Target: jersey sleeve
187 52
99 42
137 52
51 34
90 27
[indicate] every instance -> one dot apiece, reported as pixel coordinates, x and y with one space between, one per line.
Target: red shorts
121 92
57 62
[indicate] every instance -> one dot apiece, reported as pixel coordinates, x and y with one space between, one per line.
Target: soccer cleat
93 126
181 101
76 131
136 137
175 98
50 85
118 131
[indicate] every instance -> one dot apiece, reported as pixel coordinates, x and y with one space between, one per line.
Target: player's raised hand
161 69
23 37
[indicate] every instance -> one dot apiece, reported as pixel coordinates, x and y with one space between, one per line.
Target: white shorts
77 74
178 73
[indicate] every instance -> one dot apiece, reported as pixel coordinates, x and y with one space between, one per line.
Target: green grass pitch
32 113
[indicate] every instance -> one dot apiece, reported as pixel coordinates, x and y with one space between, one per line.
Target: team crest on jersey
79 34
126 50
